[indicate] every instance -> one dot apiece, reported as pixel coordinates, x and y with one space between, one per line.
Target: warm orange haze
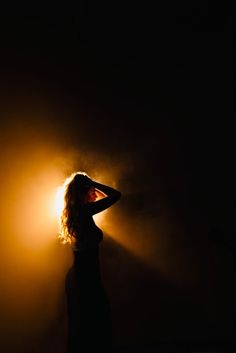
139 98
33 260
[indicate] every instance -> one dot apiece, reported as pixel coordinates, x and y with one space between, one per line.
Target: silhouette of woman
89 315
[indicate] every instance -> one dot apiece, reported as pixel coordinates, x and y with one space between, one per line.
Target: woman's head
78 190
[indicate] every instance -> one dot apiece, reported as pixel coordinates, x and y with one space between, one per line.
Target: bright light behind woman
59 201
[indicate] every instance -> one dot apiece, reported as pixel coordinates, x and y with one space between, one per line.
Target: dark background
153 84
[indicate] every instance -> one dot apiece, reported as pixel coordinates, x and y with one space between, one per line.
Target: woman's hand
88 180
84 179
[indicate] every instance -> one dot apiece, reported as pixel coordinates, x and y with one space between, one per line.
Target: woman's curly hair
75 187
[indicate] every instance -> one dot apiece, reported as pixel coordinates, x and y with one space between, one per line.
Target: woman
89 316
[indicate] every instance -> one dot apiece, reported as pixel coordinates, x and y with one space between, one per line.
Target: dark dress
89 314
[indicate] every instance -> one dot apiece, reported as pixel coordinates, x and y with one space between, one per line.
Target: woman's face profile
91 195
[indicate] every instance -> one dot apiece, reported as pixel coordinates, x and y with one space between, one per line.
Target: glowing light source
59 201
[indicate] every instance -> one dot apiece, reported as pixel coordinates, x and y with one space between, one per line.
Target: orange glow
99 218
59 201
34 161
36 220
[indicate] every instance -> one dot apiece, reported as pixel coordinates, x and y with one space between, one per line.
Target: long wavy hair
75 188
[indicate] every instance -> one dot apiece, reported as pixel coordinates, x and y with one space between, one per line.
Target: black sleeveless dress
89 314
